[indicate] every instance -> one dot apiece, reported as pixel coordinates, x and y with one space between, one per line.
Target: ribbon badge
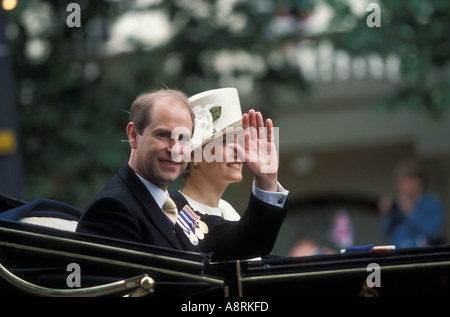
191 224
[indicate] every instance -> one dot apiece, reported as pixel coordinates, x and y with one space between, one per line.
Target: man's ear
132 134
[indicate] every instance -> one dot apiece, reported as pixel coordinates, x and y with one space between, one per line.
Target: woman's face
220 163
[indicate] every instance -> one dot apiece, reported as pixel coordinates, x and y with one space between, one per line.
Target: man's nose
179 151
174 146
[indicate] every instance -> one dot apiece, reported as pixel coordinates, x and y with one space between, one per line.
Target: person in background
342 231
307 246
413 218
206 180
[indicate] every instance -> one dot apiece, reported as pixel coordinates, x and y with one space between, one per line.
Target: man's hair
140 108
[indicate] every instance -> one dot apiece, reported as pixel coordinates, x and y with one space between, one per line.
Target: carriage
38 260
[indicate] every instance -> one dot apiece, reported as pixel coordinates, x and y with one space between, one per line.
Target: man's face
151 152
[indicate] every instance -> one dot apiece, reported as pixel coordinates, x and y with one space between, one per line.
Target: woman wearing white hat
214 166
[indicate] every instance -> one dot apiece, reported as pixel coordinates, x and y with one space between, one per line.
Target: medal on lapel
199 225
193 238
191 224
203 227
181 221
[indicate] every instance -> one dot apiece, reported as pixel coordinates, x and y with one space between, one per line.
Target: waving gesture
259 151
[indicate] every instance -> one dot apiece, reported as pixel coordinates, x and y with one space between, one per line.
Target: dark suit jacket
126 210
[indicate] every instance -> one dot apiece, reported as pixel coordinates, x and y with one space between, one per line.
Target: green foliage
71 124
418 33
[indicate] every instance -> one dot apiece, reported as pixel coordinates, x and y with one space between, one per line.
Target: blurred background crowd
352 102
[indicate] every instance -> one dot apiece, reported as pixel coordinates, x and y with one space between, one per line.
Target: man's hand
259 151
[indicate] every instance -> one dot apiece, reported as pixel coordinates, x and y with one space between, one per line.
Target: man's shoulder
116 189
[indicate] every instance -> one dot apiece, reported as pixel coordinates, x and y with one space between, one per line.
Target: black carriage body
36 260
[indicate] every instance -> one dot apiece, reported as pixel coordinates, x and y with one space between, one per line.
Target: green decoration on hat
216 112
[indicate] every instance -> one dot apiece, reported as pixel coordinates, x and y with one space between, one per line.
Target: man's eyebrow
161 130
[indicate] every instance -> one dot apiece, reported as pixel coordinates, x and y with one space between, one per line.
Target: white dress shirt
277 198
158 194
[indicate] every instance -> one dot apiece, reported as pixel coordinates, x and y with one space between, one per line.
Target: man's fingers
260 125
240 152
252 118
245 122
270 133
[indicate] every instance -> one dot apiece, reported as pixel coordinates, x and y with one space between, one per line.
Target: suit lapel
149 205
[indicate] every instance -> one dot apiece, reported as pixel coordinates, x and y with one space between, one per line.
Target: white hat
214 111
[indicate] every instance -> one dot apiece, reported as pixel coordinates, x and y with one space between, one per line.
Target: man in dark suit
131 206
